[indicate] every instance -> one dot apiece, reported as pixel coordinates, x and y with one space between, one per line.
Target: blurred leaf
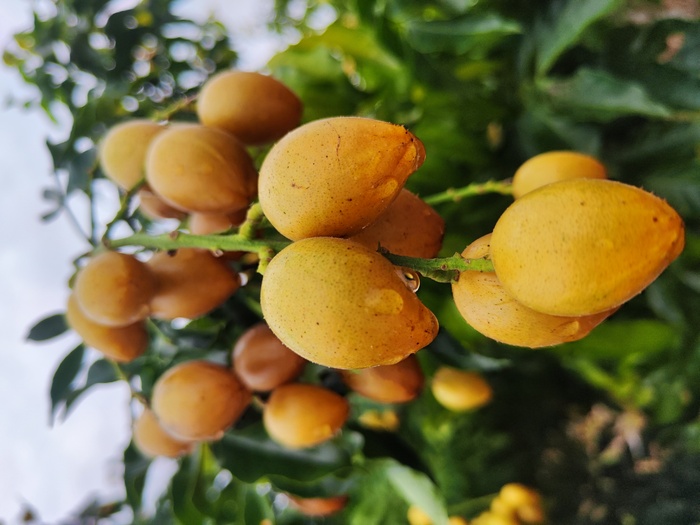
417 489
566 26
100 372
461 35
64 378
251 455
596 95
48 328
135 469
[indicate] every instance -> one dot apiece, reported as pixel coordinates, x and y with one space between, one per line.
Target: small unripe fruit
152 440
255 108
120 343
114 289
299 415
555 166
459 391
262 361
198 400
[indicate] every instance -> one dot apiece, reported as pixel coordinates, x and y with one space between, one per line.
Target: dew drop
387 188
384 301
410 278
569 329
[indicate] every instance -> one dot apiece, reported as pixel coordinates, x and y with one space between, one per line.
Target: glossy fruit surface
357 310
318 506
555 166
200 169
114 289
490 310
256 108
152 440
584 246
299 415
198 400
334 177
458 390
211 223
397 383
262 361
121 343
408 227
122 152
191 282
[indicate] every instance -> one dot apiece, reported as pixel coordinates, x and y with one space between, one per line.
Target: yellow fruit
153 206
318 506
525 502
489 309
334 177
121 344
198 400
356 310
460 391
262 361
397 383
256 108
114 289
417 516
584 246
385 421
200 169
489 518
555 166
191 282
123 151
457 520
298 416
152 440
408 227
212 223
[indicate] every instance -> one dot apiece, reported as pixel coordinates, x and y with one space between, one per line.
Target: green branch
443 270
504 187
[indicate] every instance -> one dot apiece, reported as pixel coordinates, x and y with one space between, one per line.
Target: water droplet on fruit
411 278
387 188
569 329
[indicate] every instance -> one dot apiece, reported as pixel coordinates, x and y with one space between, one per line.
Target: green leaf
566 27
48 328
64 378
461 35
135 469
417 489
251 455
256 507
596 95
100 372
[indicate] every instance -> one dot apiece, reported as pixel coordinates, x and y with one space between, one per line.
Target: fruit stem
253 219
503 187
175 107
443 270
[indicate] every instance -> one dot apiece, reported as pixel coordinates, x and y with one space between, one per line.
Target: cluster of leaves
485 85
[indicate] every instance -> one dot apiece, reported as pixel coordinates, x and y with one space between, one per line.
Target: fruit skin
417 516
199 169
122 151
336 176
584 246
458 390
153 206
114 289
407 227
191 283
357 311
397 383
121 344
262 361
318 506
555 166
198 400
152 440
299 415
487 307
256 108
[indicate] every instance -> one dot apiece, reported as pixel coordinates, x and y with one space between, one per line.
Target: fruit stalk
504 187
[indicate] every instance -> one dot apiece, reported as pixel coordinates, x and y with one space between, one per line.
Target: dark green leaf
100 372
596 95
48 328
566 27
64 378
250 455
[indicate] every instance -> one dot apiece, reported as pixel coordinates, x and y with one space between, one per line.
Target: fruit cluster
569 251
